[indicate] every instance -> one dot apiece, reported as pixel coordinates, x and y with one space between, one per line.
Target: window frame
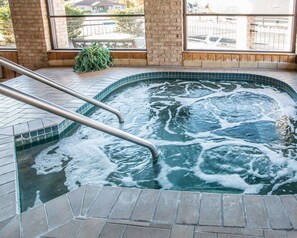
53 35
292 36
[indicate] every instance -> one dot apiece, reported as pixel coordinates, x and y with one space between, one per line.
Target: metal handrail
22 70
60 111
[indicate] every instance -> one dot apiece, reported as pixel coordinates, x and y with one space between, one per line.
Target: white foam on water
128 181
160 86
167 124
147 129
229 181
48 163
289 170
286 105
275 157
140 166
82 160
37 199
256 173
162 177
286 176
93 167
234 180
187 92
160 142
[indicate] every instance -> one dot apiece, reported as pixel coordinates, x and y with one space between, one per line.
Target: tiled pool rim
22 225
36 137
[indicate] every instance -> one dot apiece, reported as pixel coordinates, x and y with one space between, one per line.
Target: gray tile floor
93 211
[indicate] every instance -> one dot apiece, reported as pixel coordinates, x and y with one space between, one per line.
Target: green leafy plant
92 58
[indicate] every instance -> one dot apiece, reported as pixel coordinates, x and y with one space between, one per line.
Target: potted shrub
92 58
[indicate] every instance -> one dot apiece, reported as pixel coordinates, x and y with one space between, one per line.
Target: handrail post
22 70
60 111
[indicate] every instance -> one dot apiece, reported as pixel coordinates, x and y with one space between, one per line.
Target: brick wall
119 58
45 22
205 59
31 32
164 34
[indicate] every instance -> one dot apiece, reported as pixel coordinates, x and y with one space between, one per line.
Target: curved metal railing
22 70
58 110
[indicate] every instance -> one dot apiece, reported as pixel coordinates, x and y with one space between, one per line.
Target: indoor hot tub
216 132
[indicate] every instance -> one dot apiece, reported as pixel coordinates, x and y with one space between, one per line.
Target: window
110 23
243 25
7 39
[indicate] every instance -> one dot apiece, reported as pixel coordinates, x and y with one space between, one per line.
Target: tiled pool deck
93 211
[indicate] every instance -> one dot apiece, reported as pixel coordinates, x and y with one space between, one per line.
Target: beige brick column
251 32
164 31
31 32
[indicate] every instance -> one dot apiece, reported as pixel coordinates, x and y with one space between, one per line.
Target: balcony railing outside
247 33
114 32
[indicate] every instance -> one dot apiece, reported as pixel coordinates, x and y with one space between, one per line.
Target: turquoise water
230 137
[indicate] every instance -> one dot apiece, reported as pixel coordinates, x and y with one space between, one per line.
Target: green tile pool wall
41 136
49 134
199 76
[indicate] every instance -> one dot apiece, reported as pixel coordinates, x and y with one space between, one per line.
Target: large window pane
7 39
112 24
240 6
239 33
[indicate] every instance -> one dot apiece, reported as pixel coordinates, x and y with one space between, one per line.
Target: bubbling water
224 137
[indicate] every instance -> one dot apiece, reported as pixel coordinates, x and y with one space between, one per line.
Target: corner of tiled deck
93 211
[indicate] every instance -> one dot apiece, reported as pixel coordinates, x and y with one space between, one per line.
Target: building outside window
7 39
115 24
242 25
